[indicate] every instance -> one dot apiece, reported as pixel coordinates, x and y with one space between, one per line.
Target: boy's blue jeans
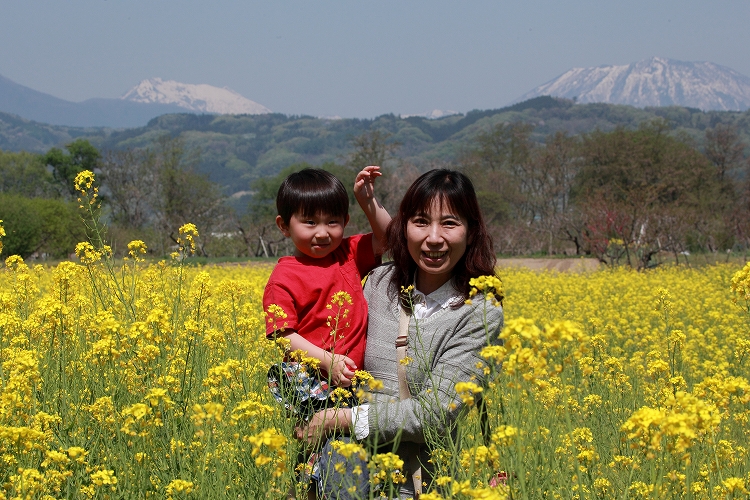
335 477
338 477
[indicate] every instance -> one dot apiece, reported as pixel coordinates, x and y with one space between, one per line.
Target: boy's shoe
500 478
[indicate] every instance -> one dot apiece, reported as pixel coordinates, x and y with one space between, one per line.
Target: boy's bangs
326 202
310 192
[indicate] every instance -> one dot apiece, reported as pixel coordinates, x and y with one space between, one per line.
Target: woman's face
436 240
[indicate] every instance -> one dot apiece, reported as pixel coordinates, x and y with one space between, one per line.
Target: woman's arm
324 423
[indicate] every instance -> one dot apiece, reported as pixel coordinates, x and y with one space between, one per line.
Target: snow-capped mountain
149 99
201 98
653 82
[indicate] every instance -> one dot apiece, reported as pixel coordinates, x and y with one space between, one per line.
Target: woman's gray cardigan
444 350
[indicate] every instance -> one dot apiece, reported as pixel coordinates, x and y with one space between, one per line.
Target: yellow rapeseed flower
179 486
347 450
188 233
83 181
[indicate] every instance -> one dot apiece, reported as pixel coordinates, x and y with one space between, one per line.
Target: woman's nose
433 234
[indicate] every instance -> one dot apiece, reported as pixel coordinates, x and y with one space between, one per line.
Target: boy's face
316 236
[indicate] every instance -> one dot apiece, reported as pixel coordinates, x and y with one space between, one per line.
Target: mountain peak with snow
201 98
653 82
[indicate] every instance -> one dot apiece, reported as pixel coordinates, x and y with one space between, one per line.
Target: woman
438 242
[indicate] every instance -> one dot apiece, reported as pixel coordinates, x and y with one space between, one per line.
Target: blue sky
355 58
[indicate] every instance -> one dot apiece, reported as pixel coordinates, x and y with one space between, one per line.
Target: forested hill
236 149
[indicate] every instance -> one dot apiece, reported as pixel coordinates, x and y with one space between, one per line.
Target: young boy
313 209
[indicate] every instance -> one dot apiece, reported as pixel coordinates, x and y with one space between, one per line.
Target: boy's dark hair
311 191
454 190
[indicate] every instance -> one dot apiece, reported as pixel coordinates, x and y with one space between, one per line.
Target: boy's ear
282 226
346 220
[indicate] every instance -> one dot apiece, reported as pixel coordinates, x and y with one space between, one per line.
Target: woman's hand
323 423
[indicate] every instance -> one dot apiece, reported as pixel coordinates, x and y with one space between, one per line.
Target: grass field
149 381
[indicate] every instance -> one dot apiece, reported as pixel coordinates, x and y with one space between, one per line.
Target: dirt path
560 265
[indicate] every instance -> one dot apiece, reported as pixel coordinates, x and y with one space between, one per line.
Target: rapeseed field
131 379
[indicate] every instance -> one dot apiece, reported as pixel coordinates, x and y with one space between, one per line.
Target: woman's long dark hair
455 191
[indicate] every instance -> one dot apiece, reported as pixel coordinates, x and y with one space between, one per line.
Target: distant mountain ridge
141 104
237 149
44 108
433 115
653 82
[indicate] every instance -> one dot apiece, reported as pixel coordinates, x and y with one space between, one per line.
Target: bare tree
371 148
129 178
554 167
159 188
183 195
725 149
501 165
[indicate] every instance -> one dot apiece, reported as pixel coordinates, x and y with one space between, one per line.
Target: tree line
623 196
146 193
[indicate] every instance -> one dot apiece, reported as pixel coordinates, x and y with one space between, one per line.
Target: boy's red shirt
304 287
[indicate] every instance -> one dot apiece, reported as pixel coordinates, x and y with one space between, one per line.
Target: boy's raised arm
377 215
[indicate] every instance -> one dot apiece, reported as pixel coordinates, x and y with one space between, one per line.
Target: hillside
236 149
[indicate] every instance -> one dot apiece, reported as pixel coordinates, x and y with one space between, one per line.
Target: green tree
39 225
500 167
24 173
81 155
648 191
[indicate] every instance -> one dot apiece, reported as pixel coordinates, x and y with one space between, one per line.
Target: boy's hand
341 370
364 184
